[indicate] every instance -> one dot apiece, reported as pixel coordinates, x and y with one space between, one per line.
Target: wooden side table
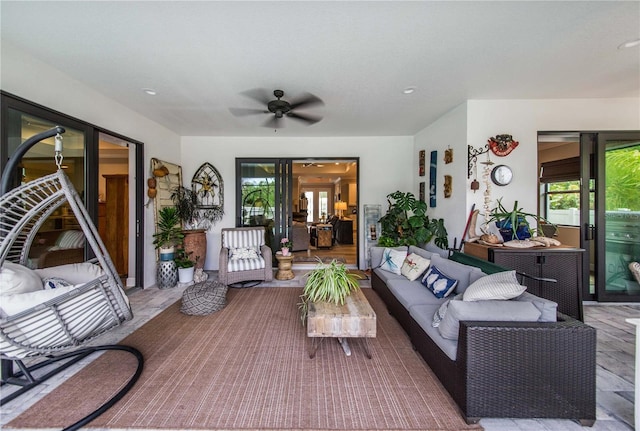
284 266
325 235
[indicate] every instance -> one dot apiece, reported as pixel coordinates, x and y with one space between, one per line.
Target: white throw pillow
501 285
14 304
16 278
243 253
74 273
392 260
414 266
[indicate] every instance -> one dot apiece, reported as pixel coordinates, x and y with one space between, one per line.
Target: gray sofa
542 368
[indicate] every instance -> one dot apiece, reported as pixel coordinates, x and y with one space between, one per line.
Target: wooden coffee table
354 319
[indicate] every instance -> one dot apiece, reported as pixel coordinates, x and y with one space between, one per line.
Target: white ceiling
356 56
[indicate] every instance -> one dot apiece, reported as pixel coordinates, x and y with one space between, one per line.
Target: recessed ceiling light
409 90
629 44
150 91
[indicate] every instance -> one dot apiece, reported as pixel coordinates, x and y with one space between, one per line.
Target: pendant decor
208 185
433 167
502 145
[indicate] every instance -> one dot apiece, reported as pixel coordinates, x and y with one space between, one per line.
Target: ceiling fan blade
259 94
310 119
273 123
307 99
241 112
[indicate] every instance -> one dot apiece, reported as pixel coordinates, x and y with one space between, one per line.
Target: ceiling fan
279 108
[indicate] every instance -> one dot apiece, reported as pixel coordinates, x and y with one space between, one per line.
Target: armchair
244 256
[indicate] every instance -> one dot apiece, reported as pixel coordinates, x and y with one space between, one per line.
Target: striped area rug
247 368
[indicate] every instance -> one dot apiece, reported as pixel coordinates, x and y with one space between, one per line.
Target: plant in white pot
186 266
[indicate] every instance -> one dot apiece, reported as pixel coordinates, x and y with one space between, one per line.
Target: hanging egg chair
52 323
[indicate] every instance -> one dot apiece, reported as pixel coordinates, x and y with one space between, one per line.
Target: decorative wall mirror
501 175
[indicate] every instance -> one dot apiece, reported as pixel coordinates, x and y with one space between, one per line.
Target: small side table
284 266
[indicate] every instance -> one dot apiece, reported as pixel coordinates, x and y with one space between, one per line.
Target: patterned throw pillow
438 283
392 260
54 283
442 310
414 266
243 253
501 285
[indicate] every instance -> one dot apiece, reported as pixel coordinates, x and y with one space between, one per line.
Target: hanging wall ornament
486 174
502 145
433 166
208 185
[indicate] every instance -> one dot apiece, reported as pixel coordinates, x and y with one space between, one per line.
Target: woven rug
314 259
246 367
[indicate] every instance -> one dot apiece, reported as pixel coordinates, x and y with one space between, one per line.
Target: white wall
450 131
384 164
37 82
475 121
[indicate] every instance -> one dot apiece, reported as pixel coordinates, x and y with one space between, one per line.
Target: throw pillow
54 283
414 266
634 267
243 253
442 311
438 282
501 285
392 260
16 278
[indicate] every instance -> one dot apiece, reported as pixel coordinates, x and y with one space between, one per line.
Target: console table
563 264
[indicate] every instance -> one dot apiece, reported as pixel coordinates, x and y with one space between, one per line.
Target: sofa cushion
376 254
548 309
386 276
414 266
16 278
496 311
456 270
501 285
439 283
74 273
392 260
422 314
442 311
410 293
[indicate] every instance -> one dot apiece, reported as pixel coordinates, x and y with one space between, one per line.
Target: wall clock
502 145
501 175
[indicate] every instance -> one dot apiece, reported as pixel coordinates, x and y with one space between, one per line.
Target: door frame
92 133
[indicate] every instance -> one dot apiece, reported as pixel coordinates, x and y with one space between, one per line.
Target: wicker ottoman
204 298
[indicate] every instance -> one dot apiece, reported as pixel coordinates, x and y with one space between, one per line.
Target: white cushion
243 253
501 285
414 266
14 304
16 278
74 273
392 260
491 311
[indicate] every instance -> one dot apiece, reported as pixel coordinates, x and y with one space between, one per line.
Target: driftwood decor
166 177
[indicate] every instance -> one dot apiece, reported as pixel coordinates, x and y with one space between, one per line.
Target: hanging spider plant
329 282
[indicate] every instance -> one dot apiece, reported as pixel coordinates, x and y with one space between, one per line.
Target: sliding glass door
263 196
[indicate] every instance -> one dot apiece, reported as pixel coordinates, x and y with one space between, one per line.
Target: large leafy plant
168 233
407 223
331 282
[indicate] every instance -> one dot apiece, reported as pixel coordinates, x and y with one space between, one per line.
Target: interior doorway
313 202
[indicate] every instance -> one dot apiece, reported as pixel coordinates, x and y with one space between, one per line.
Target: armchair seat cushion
245 264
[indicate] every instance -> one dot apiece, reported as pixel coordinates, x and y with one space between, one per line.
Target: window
562 202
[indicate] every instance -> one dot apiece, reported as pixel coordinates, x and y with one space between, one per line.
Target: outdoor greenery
407 223
330 282
623 178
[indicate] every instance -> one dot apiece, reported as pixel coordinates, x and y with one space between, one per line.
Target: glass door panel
618 215
60 239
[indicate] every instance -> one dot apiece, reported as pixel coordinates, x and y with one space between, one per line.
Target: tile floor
615 362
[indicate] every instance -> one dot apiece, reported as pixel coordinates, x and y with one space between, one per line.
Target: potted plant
285 246
329 282
513 224
186 266
407 223
187 204
168 232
